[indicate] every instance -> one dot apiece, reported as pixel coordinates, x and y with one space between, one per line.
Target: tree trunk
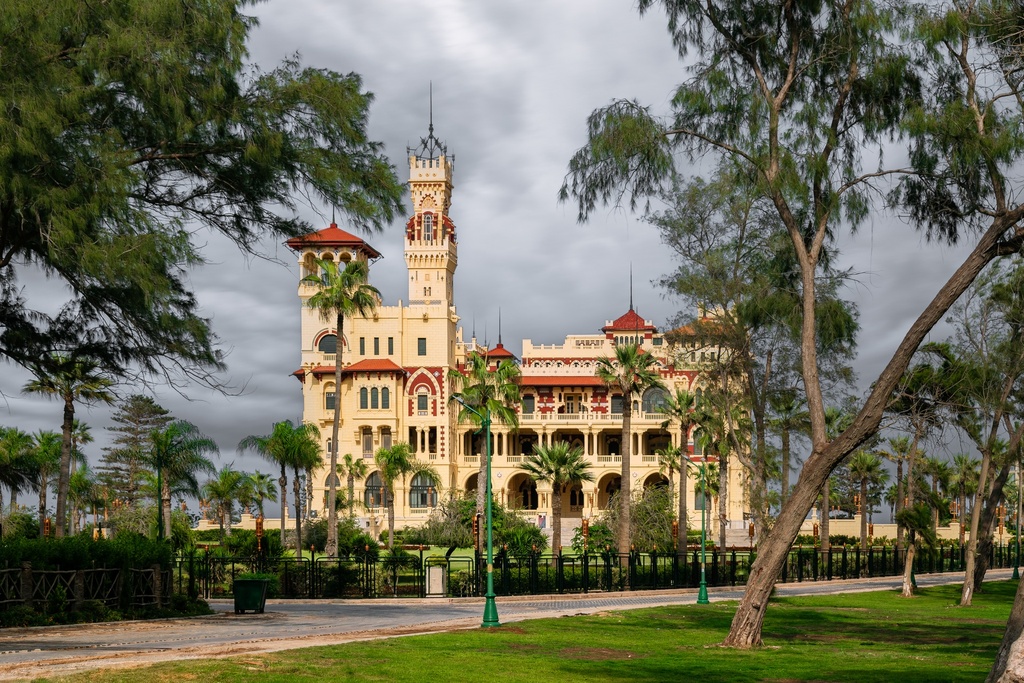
42 505
64 475
826 510
282 485
785 467
351 494
863 515
1009 664
165 503
988 515
332 487
297 491
899 502
556 518
723 500
390 493
624 486
684 465
908 568
967 592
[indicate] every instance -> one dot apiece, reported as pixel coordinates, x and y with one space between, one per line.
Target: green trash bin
250 595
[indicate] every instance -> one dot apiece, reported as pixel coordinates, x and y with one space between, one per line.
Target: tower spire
631 285
499 326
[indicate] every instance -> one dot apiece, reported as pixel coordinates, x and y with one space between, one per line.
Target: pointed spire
333 221
631 285
430 147
499 326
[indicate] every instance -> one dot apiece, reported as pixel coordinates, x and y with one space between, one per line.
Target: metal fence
421 575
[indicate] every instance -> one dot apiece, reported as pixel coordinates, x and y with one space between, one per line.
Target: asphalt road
48 651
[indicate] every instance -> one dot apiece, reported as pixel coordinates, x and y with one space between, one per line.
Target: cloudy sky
513 84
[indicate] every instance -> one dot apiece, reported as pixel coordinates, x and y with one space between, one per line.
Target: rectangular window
528 404
616 405
329 398
421 404
391 346
362 346
367 443
376 346
421 346
385 438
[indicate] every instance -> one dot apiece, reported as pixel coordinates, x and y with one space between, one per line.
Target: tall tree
482 387
223 490
788 419
70 380
135 419
340 292
561 466
964 482
866 470
17 462
263 488
352 467
679 408
631 371
292 446
141 127
394 464
46 445
793 93
179 455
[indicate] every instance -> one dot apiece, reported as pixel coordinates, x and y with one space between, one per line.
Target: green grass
860 638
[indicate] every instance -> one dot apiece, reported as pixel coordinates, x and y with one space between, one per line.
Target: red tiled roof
367 365
332 236
499 352
630 321
560 381
374 365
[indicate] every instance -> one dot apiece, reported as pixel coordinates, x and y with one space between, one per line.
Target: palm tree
483 388
287 446
263 488
47 456
561 466
222 491
82 492
179 455
352 467
836 422
342 291
397 463
964 480
679 408
866 469
790 417
17 462
940 473
898 452
632 371
70 380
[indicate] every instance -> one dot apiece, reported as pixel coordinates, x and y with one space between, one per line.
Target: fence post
157 581
27 586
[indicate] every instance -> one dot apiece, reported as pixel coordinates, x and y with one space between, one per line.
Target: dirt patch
523 647
596 654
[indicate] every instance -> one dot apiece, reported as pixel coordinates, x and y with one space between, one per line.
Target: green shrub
273 581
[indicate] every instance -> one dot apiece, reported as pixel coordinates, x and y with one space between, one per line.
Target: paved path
48 651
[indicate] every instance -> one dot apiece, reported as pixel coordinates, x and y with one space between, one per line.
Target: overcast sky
513 84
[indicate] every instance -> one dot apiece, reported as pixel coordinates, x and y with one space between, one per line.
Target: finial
631 285
333 222
430 147
430 128
499 326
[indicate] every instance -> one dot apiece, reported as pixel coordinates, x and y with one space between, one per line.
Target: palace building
395 381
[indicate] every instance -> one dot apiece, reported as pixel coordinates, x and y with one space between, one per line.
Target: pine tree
137 417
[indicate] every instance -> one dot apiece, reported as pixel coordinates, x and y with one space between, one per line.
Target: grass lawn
859 638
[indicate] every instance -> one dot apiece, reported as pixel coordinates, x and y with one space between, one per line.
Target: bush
82 552
273 582
20 525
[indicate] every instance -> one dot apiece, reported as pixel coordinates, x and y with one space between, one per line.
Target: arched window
654 400
422 493
374 395
328 344
363 401
374 495
428 227
528 494
385 398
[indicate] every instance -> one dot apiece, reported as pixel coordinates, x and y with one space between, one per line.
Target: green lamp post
702 592
490 607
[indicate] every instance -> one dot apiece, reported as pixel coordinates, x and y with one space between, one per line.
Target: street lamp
702 592
490 607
